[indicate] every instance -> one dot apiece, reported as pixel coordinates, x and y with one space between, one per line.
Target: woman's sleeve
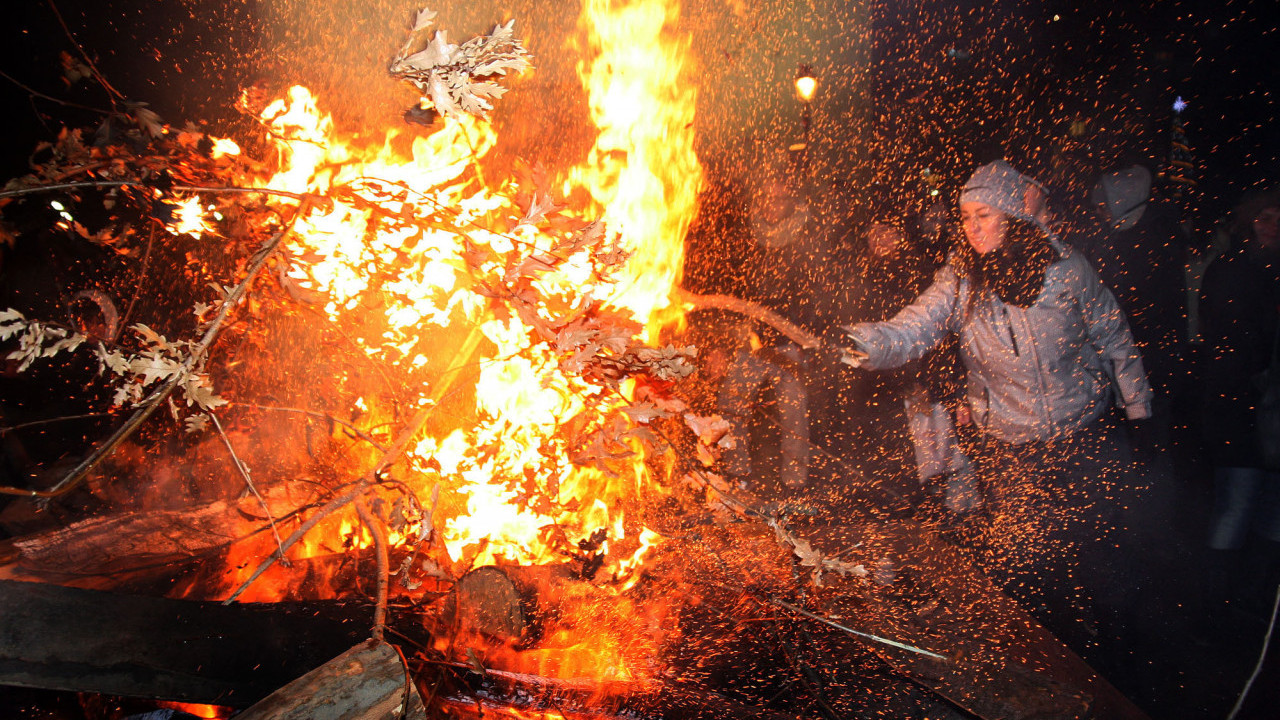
1108 331
915 330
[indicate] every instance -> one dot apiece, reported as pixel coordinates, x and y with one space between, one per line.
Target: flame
189 218
209 712
224 147
642 171
401 226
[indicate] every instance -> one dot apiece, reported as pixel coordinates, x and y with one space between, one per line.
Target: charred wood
60 638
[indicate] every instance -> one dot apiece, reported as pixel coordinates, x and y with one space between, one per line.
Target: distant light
933 192
57 205
806 83
1179 105
1056 18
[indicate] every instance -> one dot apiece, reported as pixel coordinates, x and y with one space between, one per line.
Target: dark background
947 84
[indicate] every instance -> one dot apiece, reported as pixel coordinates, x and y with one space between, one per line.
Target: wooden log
59 638
131 541
368 682
514 605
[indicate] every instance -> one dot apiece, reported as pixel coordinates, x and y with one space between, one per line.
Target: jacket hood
1123 195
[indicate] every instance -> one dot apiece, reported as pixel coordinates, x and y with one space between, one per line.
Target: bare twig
230 189
244 473
384 569
112 93
1262 657
157 396
5 430
323 416
142 275
856 633
51 98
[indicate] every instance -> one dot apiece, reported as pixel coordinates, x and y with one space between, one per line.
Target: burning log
134 542
59 638
495 602
368 682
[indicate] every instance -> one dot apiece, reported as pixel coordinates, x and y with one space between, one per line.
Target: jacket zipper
1008 324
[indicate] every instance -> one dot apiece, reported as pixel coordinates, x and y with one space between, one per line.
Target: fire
209 712
389 250
642 171
189 218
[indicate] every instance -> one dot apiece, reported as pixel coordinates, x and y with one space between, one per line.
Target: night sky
944 85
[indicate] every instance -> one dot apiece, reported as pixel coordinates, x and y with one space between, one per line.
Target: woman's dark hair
1014 271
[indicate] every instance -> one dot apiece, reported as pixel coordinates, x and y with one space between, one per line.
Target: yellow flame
222 147
642 170
189 218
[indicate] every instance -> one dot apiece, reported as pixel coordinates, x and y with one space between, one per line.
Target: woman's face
984 226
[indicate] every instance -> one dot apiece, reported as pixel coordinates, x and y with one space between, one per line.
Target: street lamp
806 86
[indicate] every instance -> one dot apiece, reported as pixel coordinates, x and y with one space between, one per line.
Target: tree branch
384 569
755 311
244 473
157 396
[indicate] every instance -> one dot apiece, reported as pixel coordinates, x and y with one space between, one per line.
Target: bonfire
378 370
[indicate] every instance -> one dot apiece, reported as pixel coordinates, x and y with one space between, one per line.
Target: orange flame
513 486
642 171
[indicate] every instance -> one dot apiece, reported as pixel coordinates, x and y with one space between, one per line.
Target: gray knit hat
1002 187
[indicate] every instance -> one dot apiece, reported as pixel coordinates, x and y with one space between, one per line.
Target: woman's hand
853 358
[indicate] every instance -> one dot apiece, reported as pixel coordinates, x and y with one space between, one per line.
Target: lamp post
806 86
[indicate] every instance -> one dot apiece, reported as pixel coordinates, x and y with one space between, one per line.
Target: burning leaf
537 213
459 78
811 558
705 455
199 391
196 423
35 339
150 337
585 238
147 119
152 366
711 429
423 19
74 69
645 412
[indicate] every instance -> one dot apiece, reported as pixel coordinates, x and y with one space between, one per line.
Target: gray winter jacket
1033 373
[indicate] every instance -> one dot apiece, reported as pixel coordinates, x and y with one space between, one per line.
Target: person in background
763 388
1238 311
1141 258
898 415
1048 357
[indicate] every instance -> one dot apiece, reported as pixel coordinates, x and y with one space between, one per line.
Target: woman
1047 353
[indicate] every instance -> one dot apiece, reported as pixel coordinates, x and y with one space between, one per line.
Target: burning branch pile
482 397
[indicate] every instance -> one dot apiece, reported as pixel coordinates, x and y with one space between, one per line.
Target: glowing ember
189 218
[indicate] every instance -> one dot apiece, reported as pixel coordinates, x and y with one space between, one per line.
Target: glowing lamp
806 83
